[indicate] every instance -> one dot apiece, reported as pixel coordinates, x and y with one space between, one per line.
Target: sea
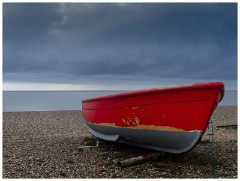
17 101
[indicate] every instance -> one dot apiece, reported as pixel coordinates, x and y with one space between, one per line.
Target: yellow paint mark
136 120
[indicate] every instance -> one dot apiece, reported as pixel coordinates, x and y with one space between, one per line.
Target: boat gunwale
198 86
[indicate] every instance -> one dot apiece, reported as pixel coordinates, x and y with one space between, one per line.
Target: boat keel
166 141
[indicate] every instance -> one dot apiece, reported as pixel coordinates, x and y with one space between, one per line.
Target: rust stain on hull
145 127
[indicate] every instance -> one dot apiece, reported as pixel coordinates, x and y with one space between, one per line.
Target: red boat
171 119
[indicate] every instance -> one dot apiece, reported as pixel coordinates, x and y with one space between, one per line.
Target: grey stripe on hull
167 141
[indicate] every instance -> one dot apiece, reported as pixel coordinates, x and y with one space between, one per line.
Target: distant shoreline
68 100
80 110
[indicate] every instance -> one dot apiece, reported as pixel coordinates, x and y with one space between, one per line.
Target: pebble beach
48 145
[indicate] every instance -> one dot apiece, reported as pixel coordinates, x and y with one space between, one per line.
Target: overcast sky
118 46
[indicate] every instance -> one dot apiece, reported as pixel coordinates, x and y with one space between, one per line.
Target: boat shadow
116 152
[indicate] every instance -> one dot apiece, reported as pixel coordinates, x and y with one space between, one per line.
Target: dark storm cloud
165 40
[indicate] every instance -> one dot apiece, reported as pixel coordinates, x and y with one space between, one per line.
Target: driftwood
83 146
140 159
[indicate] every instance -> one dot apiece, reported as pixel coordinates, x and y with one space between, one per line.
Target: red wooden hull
154 115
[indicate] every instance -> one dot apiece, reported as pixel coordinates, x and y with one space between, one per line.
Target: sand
46 145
